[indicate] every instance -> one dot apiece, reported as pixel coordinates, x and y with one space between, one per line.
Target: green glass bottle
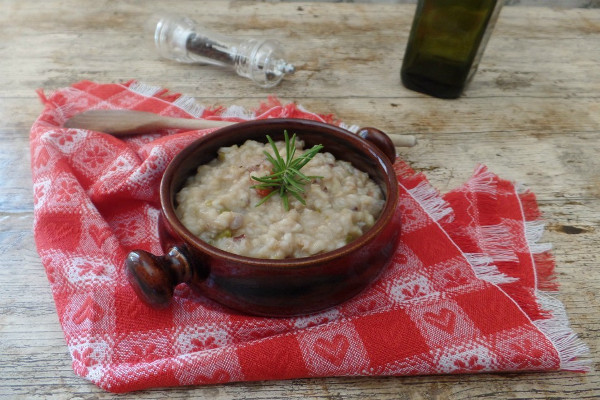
446 41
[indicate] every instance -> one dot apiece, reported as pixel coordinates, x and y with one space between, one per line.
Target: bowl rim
187 237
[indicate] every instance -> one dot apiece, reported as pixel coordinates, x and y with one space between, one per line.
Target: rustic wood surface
532 114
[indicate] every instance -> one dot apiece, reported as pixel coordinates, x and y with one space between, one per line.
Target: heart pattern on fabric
333 350
99 235
89 310
444 319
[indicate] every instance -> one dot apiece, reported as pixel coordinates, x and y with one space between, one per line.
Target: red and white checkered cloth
463 294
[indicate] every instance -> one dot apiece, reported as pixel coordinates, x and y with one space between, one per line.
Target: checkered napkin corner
459 256
499 227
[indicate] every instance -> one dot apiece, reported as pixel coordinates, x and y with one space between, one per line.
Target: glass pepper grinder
446 42
179 38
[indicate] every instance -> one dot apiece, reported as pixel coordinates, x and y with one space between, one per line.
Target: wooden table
532 114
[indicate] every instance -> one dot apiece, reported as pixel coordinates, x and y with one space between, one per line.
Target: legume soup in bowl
274 217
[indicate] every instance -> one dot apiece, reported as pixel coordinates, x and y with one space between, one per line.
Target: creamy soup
219 205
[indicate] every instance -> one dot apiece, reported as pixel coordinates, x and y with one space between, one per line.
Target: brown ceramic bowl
264 286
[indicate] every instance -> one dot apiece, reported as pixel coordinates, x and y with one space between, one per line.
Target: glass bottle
179 38
446 42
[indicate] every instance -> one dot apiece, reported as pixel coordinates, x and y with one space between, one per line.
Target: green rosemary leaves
286 178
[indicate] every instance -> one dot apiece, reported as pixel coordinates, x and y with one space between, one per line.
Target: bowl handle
380 140
154 277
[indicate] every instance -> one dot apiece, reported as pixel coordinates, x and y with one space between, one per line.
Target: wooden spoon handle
130 122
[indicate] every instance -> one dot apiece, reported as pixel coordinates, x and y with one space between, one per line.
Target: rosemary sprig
286 177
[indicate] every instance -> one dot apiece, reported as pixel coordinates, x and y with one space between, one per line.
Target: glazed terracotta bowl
270 287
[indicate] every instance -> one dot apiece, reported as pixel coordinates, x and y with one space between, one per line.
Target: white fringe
62 112
144 89
189 105
351 128
534 231
521 188
301 108
483 182
237 112
431 201
495 241
569 347
484 268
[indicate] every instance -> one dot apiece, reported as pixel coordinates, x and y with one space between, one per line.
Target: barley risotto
219 206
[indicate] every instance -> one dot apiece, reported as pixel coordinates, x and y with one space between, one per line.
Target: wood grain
532 115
